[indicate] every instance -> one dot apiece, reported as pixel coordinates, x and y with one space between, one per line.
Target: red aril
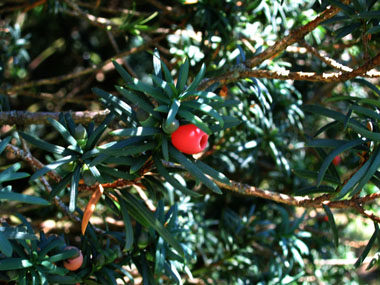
189 139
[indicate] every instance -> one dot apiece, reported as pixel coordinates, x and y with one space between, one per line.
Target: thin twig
353 203
77 88
117 50
325 58
161 6
29 118
101 22
49 97
293 37
112 10
297 201
241 73
248 190
366 213
103 66
369 197
36 164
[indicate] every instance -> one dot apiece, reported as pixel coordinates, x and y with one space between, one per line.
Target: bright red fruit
336 161
189 139
74 263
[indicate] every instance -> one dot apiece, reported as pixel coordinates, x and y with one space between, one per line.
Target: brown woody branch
237 73
297 201
300 201
35 164
368 198
100 22
355 203
365 69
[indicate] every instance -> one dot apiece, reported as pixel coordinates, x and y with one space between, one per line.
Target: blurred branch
101 22
29 118
49 51
111 10
340 262
117 50
51 97
73 96
18 5
366 213
165 8
104 67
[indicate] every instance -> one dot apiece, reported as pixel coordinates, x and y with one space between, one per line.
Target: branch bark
355 203
240 72
325 58
100 22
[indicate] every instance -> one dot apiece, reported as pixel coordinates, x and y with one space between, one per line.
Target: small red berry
336 161
189 139
74 263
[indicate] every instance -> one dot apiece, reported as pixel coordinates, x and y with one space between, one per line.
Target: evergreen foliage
91 92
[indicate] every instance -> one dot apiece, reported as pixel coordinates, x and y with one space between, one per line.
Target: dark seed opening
203 141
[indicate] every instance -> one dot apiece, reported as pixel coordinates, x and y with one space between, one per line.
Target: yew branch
239 72
355 203
293 37
36 164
